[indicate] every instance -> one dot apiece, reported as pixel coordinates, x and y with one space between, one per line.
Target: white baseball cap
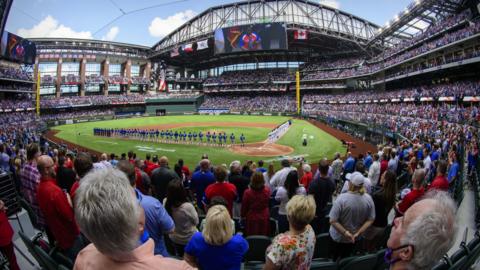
357 179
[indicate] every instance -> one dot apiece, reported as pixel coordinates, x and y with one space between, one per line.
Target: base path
262 149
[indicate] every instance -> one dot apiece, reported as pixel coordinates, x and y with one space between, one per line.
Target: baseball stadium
261 134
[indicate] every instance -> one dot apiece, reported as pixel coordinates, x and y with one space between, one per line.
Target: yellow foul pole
37 103
297 75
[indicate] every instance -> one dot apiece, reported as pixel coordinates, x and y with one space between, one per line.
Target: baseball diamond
254 128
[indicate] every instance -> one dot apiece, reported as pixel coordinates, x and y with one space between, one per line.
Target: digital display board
252 37
17 49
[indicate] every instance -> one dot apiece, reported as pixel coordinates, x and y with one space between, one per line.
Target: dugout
172 105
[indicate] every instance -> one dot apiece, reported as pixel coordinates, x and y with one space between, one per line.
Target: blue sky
84 18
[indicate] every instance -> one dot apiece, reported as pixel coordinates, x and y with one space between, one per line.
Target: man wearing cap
367 183
351 214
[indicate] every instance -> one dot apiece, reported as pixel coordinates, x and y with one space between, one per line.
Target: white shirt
282 197
374 172
278 179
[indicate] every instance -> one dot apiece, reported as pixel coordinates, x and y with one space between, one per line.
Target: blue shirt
200 181
452 172
349 165
261 169
226 257
435 155
368 161
157 221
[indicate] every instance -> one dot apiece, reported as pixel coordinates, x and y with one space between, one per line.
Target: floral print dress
293 251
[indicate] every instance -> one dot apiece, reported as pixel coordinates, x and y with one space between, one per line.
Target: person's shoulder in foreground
142 258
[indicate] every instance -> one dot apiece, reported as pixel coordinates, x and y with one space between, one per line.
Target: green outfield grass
320 144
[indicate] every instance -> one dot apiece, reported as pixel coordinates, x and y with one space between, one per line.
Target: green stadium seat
273 227
257 245
366 262
46 261
322 247
317 265
30 246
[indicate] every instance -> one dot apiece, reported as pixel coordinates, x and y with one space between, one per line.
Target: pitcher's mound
262 149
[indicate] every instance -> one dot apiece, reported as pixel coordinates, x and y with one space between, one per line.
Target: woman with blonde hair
268 175
294 248
255 206
215 247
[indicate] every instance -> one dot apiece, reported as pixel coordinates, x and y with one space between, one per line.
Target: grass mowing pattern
321 145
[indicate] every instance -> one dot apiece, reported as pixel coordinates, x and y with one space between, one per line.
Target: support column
58 82
147 73
104 71
83 65
35 74
128 73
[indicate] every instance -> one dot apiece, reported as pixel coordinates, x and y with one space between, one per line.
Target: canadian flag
300 34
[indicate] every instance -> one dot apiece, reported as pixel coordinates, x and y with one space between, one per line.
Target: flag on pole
162 84
300 34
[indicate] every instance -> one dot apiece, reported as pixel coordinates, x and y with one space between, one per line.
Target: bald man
56 207
161 176
425 233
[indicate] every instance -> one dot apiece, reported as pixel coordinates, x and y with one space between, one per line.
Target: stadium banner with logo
300 34
251 37
202 45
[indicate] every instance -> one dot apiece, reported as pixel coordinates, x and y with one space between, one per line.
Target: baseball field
255 129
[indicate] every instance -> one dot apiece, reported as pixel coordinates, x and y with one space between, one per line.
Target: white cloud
50 27
331 3
160 27
112 33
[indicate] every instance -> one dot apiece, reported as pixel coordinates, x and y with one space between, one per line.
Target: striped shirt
30 178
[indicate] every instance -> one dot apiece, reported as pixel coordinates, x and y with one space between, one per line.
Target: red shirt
6 231
186 171
383 166
138 181
409 199
73 189
149 169
306 179
58 213
226 190
440 182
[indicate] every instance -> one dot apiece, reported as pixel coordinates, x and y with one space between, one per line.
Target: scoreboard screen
252 37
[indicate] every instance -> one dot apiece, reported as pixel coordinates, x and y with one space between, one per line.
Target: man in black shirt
322 189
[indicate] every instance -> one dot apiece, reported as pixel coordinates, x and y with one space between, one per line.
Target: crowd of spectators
458 90
76 114
405 51
117 79
250 76
253 103
246 88
19 101
327 64
410 126
15 73
140 204
70 79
